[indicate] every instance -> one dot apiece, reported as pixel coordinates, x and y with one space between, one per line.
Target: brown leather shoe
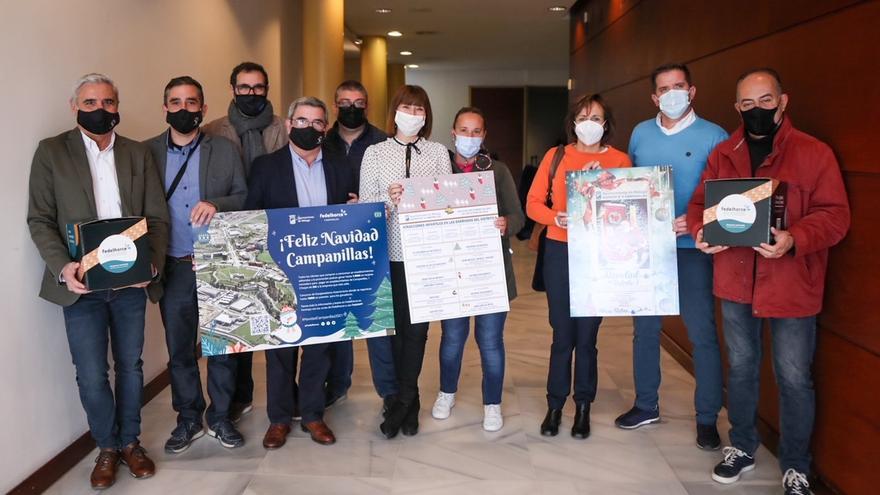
276 436
135 457
104 474
320 432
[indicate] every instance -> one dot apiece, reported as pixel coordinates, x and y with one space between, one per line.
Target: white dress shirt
105 185
679 126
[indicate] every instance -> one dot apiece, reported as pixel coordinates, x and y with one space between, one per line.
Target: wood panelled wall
827 52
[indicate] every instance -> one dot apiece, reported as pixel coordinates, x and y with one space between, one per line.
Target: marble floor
456 456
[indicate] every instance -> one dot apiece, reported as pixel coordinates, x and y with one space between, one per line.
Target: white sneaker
492 419
443 405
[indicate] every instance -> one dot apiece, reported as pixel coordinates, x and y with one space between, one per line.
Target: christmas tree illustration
383 312
351 330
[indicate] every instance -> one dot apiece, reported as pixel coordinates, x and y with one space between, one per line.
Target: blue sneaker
182 436
636 417
795 483
734 464
225 432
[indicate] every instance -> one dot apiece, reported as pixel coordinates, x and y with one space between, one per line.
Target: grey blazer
60 192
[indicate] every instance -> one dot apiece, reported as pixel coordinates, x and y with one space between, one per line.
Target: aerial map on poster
295 276
451 247
622 258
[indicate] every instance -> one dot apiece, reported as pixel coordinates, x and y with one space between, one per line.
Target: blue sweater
686 151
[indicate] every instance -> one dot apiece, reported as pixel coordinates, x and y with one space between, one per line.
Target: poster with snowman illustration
451 247
621 243
295 276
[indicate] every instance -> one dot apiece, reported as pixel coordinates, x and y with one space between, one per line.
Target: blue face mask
468 147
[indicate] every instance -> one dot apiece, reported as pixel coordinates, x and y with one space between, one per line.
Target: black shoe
239 409
707 437
636 417
333 400
734 464
581 426
387 402
225 432
410 424
550 426
183 436
795 483
394 419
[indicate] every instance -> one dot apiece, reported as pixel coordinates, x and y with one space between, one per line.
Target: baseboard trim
52 471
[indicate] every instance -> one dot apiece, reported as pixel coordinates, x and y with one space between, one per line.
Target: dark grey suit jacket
221 172
61 193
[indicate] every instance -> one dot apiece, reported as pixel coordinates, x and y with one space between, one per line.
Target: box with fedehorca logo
113 253
740 212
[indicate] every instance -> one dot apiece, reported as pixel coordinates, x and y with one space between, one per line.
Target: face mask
352 117
468 147
98 121
589 132
184 121
674 103
409 125
759 121
306 138
250 105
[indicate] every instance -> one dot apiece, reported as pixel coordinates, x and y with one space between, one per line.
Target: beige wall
45 45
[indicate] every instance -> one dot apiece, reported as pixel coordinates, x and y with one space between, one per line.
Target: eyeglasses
360 103
317 124
594 118
247 89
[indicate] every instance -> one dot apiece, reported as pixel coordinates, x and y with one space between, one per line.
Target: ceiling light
557 8
358 41
412 66
395 34
383 11
406 53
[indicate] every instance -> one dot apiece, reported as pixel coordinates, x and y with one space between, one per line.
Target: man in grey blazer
202 175
84 174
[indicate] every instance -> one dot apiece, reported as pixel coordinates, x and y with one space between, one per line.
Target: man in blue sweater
679 138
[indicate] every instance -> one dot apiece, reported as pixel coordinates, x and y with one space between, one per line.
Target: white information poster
451 247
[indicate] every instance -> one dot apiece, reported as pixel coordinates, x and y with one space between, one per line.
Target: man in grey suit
83 174
202 175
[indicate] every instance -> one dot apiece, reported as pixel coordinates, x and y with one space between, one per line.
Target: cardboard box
113 253
740 212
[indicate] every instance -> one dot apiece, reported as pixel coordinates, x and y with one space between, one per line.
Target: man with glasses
252 126
782 282
345 143
202 175
299 176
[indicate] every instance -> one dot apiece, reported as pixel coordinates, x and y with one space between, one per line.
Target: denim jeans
698 312
113 318
382 368
570 334
489 334
341 367
794 344
180 316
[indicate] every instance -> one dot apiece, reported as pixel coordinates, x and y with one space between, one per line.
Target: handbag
540 232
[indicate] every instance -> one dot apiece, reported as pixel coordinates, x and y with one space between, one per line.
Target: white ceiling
470 34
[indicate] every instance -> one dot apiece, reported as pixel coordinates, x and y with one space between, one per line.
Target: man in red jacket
783 281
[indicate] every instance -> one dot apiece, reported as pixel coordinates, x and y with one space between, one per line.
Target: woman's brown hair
410 95
587 102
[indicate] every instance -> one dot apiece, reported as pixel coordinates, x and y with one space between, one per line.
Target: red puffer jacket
817 217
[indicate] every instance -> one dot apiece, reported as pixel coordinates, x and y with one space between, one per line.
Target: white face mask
589 132
409 125
675 102
466 146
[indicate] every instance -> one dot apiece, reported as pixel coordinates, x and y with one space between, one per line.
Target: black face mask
352 117
250 105
759 121
184 121
98 121
306 138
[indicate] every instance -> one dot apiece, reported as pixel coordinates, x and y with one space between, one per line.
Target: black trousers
282 391
408 345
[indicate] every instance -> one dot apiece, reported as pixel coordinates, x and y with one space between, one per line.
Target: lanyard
179 176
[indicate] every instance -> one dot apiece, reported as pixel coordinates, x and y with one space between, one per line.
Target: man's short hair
668 68
761 70
184 81
92 78
350 85
247 67
309 101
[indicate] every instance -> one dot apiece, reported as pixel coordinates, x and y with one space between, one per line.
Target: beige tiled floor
456 456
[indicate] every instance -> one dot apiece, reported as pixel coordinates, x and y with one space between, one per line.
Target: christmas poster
295 276
621 242
451 247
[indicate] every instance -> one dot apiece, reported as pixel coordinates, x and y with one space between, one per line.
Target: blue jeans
94 322
794 344
570 334
698 312
489 334
382 367
180 316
